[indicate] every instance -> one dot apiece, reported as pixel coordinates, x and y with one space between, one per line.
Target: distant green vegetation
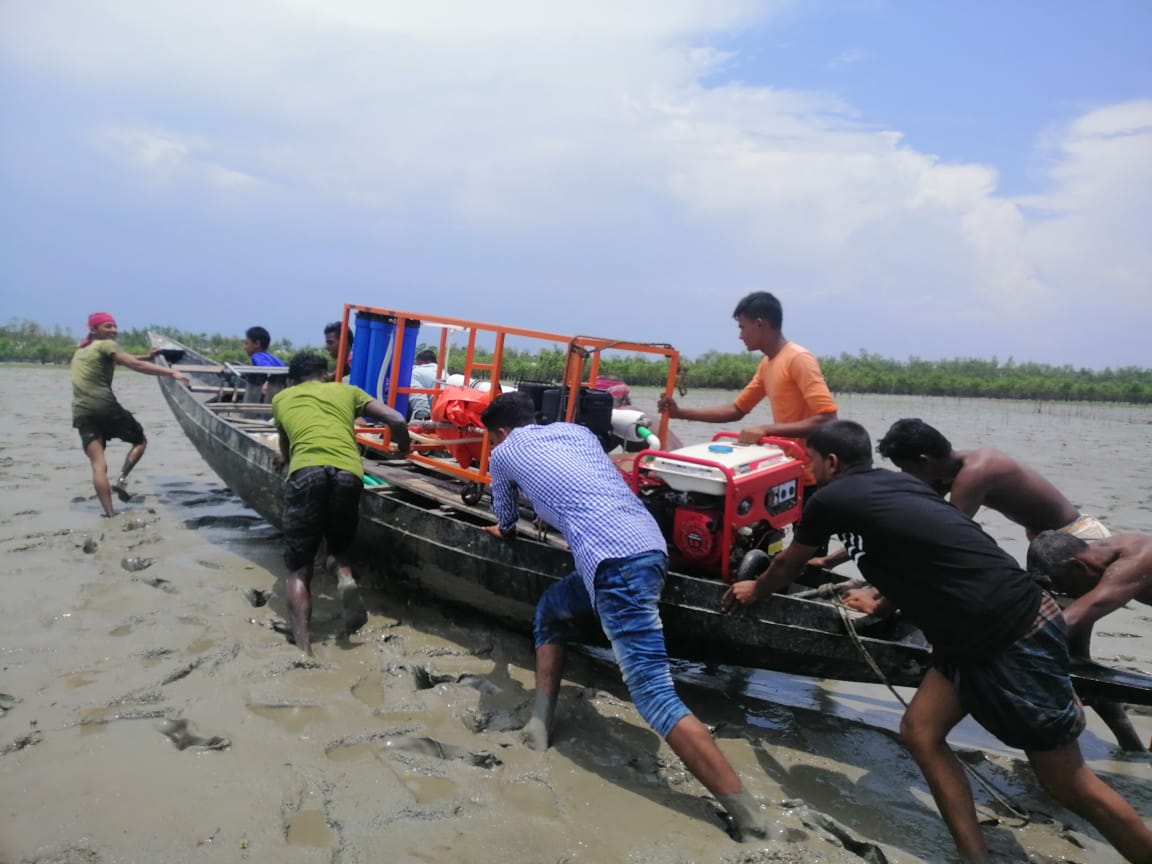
27 341
848 373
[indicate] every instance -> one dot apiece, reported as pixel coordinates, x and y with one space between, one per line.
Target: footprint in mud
135 564
257 597
28 740
7 703
157 582
179 732
437 750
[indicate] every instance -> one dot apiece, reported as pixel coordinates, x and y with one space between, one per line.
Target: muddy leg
120 487
351 603
1112 713
95 453
549 669
300 606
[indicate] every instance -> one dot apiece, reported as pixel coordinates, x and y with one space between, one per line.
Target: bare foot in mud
352 607
535 734
121 492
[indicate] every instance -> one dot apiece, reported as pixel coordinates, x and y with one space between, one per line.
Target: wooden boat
418 528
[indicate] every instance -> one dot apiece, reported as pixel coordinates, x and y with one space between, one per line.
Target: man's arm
503 504
131 361
1122 581
718 414
377 410
784 569
285 455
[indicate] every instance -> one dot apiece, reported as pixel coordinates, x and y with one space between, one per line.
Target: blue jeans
627 593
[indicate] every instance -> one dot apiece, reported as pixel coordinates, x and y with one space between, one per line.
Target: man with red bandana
95 412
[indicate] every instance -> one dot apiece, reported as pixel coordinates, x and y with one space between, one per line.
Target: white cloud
548 125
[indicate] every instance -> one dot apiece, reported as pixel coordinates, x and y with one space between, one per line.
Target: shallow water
401 745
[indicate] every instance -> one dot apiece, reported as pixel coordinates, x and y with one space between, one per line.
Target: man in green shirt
95 412
316 419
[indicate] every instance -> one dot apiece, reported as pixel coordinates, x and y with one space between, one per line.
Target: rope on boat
996 794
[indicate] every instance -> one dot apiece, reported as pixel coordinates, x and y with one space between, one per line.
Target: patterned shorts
321 503
1024 696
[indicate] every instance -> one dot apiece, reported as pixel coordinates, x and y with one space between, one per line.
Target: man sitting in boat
621 561
316 420
424 377
332 345
256 342
96 413
998 643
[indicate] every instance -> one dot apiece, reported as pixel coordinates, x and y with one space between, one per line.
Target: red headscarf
94 321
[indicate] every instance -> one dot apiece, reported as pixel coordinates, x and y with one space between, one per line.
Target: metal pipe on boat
628 424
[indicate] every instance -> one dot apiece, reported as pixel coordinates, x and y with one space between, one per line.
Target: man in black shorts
316 419
96 413
998 640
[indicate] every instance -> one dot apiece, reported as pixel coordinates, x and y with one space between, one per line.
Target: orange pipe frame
580 348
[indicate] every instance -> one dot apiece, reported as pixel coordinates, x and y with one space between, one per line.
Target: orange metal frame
580 350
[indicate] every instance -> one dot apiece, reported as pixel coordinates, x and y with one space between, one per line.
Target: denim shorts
627 593
1024 696
321 503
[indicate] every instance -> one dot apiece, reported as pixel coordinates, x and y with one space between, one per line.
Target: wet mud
157 712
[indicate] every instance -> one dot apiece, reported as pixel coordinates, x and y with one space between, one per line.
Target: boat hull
410 537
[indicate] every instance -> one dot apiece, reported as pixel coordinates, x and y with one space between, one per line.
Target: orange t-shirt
795 388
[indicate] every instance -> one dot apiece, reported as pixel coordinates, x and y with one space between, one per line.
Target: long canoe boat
417 527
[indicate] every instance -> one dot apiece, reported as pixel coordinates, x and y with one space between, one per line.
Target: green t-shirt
318 418
92 368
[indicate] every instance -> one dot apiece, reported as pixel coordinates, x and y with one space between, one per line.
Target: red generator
717 502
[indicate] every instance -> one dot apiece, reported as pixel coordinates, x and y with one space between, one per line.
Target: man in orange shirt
789 376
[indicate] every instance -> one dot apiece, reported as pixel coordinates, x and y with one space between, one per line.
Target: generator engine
717 502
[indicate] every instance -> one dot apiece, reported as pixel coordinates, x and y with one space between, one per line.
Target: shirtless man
1102 575
971 479
985 477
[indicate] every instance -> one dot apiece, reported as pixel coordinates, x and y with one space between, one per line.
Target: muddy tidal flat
152 710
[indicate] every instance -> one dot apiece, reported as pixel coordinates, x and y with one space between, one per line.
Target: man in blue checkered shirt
621 561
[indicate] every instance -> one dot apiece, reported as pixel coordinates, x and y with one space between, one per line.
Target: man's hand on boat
740 594
495 531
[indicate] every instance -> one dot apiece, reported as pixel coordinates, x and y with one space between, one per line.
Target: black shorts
320 503
104 427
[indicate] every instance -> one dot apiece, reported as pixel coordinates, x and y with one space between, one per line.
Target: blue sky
911 178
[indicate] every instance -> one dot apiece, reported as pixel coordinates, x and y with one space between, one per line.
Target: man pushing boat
621 562
316 419
96 413
1102 575
998 639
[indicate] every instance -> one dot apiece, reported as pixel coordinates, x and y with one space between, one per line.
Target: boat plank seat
199 367
449 498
